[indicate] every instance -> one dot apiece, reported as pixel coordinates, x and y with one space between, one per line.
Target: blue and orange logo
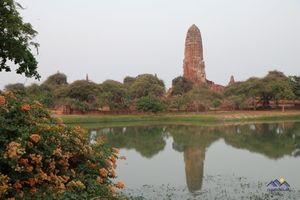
278 185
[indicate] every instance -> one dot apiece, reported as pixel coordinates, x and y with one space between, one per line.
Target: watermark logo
278 185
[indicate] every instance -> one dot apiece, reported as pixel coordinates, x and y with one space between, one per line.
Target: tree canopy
82 90
16 88
16 41
148 103
147 92
180 85
274 86
56 80
113 94
295 82
147 85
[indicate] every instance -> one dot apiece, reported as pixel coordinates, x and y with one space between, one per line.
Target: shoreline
208 118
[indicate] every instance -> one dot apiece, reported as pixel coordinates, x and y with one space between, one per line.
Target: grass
90 121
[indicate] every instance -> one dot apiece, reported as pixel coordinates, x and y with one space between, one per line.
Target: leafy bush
274 86
114 94
82 90
41 158
180 85
146 85
41 93
201 98
16 88
239 102
148 103
56 80
216 103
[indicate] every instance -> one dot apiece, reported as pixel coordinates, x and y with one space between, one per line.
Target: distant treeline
147 92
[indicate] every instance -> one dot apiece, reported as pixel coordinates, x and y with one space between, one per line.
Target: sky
116 38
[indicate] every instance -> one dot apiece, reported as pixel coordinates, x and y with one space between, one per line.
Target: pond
208 162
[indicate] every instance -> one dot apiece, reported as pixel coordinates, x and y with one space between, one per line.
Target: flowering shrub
41 158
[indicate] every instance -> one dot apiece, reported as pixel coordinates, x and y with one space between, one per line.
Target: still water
207 162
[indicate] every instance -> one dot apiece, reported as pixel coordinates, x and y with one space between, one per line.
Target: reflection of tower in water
193 142
194 163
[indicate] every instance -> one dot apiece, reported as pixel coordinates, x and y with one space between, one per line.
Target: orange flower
21 194
120 185
66 178
31 181
62 186
17 185
30 145
112 189
42 175
14 150
52 166
79 184
25 107
99 179
113 173
29 168
36 159
3 184
123 158
37 104
116 150
23 161
103 172
108 163
33 190
113 159
35 138
2 100
57 152
115 166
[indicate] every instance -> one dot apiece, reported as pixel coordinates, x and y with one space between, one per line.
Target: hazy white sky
115 38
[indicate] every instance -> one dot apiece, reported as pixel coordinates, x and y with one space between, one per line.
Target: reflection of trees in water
192 136
271 140
148 141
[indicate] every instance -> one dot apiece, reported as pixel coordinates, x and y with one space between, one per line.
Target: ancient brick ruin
193 63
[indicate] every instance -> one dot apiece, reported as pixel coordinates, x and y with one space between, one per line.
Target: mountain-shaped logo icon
278 183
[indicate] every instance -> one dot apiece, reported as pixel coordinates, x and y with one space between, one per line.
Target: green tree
242 91
16 41
41 93
216 103
114 94
239 101
295 83
16 88
128 80
180 85
82 90
179 102
274 86
77 105
56 80
201 98
148 103
147 85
